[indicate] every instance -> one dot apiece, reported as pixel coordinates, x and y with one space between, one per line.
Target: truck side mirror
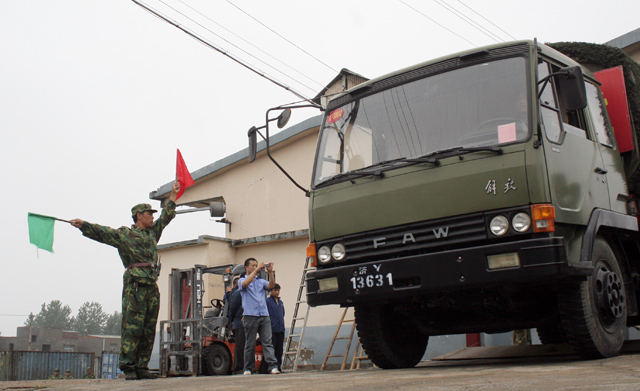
283 118
253 143
572 89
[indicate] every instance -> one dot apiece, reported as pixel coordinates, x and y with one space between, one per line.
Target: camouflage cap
68 371
56 370
141 208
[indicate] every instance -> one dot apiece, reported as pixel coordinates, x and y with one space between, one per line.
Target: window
46 348
597 115
556 118
11 347
34 338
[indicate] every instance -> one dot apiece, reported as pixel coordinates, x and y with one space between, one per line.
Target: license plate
370 277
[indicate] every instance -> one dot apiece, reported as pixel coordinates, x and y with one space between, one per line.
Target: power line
252 45
276 33
512 37
468 20
452 32
236 46
223 52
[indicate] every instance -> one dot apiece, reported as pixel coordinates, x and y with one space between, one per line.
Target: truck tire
389 338
594 312
551 334
216 360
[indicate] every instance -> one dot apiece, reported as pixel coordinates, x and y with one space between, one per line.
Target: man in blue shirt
256 315
276 314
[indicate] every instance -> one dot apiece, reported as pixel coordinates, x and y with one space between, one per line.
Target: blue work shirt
254 297
276 313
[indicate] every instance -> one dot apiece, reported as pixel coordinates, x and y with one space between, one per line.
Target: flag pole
66 221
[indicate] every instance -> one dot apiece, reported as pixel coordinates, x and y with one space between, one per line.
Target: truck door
616 181
577 175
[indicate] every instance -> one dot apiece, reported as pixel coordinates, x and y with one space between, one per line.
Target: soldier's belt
141 264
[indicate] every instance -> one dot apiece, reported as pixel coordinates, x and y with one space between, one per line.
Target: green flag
41 231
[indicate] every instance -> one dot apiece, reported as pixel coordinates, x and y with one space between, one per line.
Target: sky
96 96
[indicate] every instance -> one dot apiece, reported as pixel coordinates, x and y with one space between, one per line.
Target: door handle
599 170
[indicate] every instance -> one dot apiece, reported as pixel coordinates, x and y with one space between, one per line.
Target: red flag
183 175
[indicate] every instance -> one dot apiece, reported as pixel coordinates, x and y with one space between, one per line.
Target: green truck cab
478 192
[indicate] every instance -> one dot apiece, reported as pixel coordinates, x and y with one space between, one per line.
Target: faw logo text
438 233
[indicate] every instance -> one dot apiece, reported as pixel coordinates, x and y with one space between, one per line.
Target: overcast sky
95 97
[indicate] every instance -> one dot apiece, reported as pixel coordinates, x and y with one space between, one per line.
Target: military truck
483 191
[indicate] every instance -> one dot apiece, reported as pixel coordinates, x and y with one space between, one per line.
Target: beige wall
260 201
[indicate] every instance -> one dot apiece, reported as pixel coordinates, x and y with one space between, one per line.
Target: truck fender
604 218
619 222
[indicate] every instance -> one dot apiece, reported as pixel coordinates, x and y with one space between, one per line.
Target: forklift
195 340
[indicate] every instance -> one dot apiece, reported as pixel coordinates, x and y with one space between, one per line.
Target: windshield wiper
456 151
351 175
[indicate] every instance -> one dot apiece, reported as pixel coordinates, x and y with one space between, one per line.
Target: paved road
514 372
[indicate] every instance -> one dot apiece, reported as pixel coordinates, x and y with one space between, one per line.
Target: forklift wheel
216 360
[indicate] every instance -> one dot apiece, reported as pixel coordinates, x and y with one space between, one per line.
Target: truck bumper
541 261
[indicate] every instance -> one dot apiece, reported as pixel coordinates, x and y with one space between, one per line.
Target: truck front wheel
389 338
594 312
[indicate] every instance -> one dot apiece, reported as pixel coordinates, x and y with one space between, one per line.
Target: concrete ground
506 368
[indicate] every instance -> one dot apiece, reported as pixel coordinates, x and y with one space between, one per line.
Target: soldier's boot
146 375
130 376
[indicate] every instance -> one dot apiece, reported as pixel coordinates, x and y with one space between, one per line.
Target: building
629 43
55 339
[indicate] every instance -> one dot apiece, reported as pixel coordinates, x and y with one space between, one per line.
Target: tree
113 324
53 314
90 319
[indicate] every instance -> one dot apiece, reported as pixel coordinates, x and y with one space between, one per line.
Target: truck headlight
521 222
324 254
499 225
338 251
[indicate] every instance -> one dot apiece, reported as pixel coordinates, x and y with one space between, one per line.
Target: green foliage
53 314
90 319
113 324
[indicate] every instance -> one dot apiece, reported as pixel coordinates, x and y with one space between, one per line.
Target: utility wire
276 33
237 47
252 45
452 32
210 45
493 24
468 20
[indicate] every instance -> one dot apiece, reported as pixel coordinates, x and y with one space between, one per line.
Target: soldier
67 375
56 375
138 250
89 374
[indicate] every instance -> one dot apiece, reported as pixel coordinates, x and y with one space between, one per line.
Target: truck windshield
476 106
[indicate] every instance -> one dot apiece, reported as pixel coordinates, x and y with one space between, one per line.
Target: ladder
335 338
358 355
294 341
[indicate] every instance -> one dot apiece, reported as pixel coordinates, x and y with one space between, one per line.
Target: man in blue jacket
235 319
276 313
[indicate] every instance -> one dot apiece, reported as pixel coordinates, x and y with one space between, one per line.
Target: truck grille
412 239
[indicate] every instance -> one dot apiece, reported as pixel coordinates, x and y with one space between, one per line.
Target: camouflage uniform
56 377
140 294
521 337
89 374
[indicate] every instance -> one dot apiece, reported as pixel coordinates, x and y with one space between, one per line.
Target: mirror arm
266 139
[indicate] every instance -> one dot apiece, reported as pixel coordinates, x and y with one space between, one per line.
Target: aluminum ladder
294 340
